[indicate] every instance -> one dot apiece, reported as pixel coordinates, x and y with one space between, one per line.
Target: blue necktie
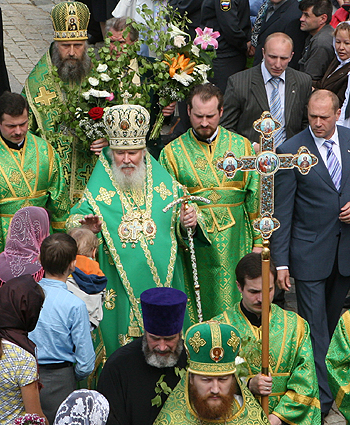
333 164
276 109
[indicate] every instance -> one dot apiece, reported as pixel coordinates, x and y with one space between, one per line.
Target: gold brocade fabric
31 176
228 218
338 365
294 398
177 410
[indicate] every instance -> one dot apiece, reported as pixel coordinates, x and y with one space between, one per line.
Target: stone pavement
27 35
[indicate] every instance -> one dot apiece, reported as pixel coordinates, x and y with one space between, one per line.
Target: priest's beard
154 359
71 69
206 411
133 181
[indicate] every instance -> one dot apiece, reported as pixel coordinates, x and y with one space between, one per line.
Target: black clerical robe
129 383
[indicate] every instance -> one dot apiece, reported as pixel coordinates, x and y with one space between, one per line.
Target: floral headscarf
83 407
28 228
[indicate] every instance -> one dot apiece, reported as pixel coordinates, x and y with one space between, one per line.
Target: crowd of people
161 312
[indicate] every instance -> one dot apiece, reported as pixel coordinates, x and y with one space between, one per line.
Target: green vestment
294 398
77 162
130 271
234 205
177 410
31 176
338 365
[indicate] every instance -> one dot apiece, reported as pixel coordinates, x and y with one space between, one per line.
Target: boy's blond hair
86 240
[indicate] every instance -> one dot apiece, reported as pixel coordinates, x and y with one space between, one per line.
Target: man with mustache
210 391
123 204
292 383
133 373
191 159
68 53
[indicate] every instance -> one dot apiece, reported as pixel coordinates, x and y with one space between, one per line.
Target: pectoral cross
135 228
266 163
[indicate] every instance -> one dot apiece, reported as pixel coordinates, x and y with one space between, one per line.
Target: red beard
205 411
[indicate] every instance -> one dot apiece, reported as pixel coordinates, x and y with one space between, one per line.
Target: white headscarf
83 407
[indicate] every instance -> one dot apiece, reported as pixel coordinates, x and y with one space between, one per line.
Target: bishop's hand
91 222
188 216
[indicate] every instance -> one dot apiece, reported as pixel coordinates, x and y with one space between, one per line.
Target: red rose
96 113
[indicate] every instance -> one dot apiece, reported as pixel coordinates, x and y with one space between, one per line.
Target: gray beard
134 181
71 70
153 359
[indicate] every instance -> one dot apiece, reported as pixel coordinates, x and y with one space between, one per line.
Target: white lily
175 31
183 78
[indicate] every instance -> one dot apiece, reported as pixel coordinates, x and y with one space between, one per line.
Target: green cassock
130 271
294 398
234 205
31 176
338 365
77 162
177 410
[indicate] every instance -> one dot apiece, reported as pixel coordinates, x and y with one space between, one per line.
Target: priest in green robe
292 383
123 203
30 169
69 54
338 365
211 392
191 160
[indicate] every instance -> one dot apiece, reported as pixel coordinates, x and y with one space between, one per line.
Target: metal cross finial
184 200
267 163
126 96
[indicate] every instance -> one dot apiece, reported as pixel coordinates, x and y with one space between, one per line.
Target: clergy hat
212 348
126 125
70 20
163 310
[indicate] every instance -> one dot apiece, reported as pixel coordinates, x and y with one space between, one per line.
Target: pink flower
111 97
206 37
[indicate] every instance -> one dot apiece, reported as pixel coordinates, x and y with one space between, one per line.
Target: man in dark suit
313 242
248 93
281 16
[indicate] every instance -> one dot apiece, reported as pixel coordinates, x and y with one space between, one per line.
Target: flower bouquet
180 63
80 113
29 419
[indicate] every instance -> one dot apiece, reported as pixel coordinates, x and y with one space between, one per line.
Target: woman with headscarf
21 300
28 228
83 407
336 77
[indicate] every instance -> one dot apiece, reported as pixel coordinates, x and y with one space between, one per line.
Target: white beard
133 181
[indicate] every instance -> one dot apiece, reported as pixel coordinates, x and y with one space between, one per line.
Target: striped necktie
333 164
276 109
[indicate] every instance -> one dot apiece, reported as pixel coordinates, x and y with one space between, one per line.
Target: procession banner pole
266 163
265 257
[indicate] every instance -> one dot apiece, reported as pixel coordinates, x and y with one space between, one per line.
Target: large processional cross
266 163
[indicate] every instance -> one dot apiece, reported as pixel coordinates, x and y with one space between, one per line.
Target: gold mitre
127 126
70 20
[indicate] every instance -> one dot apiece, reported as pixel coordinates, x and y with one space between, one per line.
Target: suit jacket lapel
274 17
320 168
344 143
258 88
289 94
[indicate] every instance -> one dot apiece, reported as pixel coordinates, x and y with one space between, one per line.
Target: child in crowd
65 351
88 281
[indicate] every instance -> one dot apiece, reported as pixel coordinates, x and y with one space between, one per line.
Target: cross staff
184 200
266 163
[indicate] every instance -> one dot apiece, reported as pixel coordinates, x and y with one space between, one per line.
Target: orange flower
179 63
